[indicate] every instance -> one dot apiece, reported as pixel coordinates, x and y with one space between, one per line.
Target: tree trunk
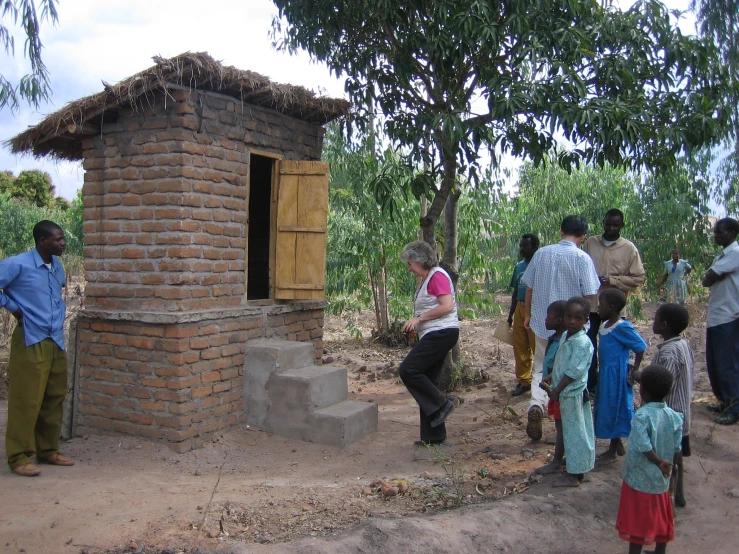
450 261
449 177
382 297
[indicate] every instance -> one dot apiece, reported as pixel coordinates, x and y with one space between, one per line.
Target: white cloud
114 39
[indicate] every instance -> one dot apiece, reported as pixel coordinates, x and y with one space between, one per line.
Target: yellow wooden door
302 209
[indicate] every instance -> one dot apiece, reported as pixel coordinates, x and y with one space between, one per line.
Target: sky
109 41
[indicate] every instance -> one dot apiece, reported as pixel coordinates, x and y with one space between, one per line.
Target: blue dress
614 396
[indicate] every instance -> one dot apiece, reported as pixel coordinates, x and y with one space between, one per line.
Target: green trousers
37 385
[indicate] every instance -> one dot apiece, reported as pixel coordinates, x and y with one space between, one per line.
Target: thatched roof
60 134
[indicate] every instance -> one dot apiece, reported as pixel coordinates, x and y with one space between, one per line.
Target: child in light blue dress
568 398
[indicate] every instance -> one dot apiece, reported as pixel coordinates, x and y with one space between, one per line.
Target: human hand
18 314
604 280
410 325
527 322
510 321
665 467
633 377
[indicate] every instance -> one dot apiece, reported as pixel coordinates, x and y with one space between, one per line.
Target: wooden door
302 209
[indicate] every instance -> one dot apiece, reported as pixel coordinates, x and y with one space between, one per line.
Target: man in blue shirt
31 289
523 339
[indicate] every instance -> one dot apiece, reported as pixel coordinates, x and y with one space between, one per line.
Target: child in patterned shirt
645 514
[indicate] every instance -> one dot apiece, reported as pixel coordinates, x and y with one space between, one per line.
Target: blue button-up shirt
26 284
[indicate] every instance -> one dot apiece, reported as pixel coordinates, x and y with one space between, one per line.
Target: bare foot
567 480
607 457
552 467
620 450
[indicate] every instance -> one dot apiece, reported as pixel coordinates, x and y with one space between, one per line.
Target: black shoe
716 408
533 426
727 419
519 389
442 414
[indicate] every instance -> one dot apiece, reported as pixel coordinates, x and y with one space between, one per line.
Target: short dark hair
533 238
558 308
675 316
574 225
730 224
614 212
43 229
615 298
580 301
657 381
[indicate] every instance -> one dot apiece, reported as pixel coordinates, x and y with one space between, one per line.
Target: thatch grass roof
60 134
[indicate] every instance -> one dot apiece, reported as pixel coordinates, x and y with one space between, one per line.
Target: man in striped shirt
556 272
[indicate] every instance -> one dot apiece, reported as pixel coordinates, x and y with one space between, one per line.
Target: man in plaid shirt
556 272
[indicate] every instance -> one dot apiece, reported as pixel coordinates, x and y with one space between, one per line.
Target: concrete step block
262 359
344 422
308 387
280 354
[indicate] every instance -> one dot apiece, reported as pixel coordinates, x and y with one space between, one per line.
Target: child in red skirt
645 513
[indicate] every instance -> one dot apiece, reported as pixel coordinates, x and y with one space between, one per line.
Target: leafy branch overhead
33 87
624 87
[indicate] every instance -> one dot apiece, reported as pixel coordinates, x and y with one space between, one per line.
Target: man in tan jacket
619 265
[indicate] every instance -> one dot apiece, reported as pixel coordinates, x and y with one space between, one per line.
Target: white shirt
723 304
557 272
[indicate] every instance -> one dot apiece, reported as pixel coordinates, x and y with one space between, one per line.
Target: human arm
711 278
514 302
527 310
9 270
445 307
663 279
554 393
634 276
665 466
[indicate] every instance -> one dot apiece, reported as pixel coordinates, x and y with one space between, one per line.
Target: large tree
467 77
33 87
719 21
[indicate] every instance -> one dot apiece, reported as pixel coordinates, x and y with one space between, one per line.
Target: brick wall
159 377
165 200
160 343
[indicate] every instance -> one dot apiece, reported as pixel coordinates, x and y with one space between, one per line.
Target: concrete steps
284 393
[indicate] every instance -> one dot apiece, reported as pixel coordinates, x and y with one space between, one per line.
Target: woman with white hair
436 322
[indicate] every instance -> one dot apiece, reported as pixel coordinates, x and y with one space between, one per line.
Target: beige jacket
620 262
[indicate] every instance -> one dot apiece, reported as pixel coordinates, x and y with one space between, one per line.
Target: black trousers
420 372
595 322
722 363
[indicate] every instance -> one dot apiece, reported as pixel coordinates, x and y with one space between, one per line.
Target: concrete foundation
285 394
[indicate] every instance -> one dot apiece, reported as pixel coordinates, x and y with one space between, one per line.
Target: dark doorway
260 194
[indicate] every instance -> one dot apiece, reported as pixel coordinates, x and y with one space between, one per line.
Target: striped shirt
677 356
557 272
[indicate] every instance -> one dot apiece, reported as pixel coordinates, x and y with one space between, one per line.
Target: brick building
205 216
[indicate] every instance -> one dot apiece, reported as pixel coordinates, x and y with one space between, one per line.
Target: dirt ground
249 491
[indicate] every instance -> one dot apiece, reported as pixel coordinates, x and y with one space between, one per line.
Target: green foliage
32 185
455 79
18 217
33 87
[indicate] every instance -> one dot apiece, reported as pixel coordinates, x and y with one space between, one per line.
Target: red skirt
645 518
554 411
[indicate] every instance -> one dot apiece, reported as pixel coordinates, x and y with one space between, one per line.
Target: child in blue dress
566 388
614 396
645 514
